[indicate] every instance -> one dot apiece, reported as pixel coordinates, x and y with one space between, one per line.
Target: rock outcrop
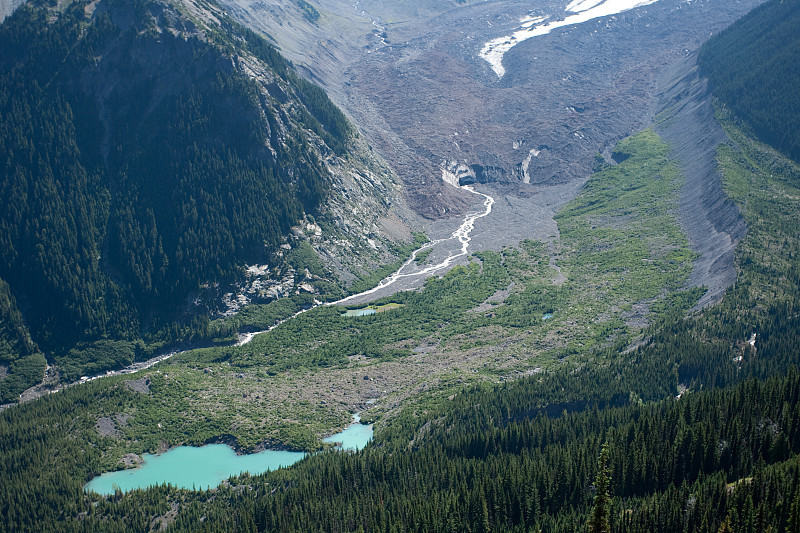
7 7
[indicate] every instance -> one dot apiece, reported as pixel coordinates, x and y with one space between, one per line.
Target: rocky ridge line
712 222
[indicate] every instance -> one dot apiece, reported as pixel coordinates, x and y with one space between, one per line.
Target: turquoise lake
355 437
206 467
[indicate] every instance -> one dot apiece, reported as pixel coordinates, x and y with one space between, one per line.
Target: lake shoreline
208 473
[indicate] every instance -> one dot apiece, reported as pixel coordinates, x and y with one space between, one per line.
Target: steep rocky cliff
8 6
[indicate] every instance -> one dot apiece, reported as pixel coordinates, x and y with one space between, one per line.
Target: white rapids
462 234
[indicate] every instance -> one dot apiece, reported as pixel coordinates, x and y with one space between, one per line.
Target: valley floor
619 263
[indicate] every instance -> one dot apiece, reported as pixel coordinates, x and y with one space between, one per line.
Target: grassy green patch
386 307
620 239
620 245
766 188
422 257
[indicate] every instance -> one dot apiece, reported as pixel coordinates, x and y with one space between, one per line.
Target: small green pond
355 437
359 312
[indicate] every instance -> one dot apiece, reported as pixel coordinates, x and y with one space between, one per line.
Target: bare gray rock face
106 427
141 385
712 222
131 460
7 7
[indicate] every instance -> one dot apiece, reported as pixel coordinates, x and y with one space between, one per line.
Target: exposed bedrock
7 7
713 223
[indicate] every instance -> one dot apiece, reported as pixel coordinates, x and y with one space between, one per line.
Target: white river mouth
408 269
583 10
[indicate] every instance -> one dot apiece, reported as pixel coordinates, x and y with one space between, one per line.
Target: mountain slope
752 67
149 149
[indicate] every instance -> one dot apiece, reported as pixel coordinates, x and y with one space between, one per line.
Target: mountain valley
557 274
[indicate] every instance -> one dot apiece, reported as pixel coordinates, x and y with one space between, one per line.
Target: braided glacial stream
409 270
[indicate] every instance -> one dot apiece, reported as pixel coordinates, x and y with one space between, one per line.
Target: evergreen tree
793 524
599 520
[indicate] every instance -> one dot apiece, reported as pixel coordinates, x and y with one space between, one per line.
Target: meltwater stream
409 269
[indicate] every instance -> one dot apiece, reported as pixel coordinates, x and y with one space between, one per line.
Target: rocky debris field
565 96
410 76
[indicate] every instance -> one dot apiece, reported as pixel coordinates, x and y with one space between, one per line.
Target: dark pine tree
599 519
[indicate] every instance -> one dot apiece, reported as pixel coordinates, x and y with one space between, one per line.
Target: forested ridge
138 163
753 69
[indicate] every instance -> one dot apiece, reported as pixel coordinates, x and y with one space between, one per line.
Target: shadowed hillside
148 149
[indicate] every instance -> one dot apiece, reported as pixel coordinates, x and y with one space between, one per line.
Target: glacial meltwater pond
206 467
355 437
